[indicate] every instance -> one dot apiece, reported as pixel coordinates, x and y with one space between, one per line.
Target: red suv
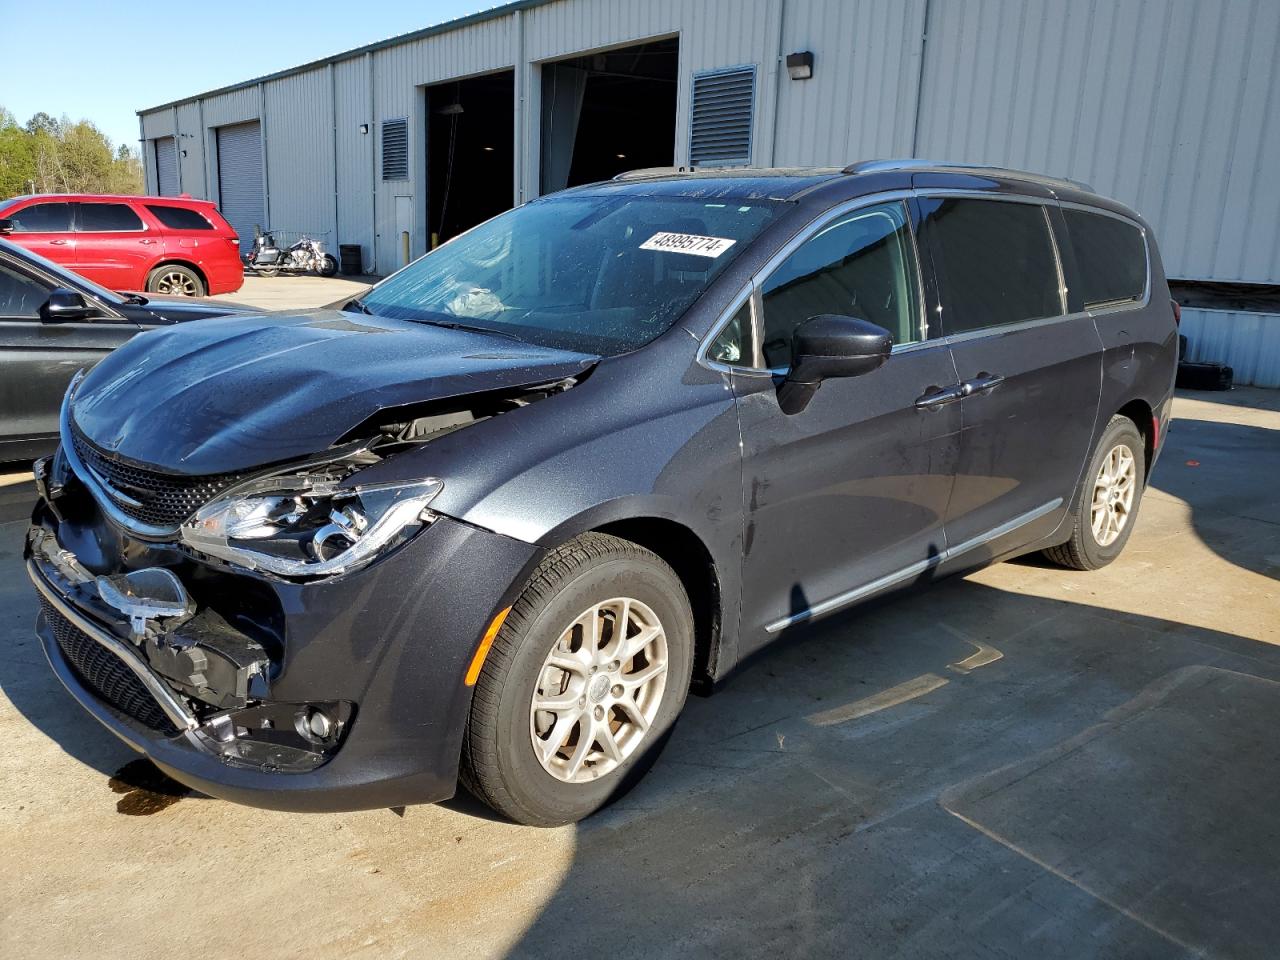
169 245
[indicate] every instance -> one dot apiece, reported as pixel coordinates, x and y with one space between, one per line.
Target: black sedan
53 323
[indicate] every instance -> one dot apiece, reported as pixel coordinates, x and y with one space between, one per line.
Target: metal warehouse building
1172 106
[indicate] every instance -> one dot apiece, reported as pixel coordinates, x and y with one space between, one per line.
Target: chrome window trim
803 235
1145 301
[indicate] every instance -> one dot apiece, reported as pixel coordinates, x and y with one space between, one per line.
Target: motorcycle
306 255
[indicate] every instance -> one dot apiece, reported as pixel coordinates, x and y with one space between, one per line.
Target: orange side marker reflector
482 651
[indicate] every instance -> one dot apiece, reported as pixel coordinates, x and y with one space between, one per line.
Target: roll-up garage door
240 179
167 167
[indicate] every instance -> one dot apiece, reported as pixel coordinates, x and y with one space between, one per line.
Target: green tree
49 155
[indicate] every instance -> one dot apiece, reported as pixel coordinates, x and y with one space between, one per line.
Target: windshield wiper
358 304
471 327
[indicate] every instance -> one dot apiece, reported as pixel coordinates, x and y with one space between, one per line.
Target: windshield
592 274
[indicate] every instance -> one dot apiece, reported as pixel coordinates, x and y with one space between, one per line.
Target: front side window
42 218
179 218
21 297
1111 259
594 274
859 265
733 344
995 261
108 218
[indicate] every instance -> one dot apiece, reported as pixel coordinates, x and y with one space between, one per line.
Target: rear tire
613 703
1107 506
175 280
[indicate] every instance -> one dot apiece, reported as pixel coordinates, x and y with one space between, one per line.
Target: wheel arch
1143 417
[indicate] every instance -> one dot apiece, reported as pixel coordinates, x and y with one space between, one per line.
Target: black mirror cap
830 345
6 225
827 346
64 304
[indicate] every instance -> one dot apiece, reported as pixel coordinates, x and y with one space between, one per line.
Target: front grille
158 499
103 674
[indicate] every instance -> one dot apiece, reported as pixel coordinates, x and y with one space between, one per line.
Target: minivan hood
234 393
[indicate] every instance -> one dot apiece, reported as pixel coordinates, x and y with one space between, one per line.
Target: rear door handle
57 243
982 383
935 397
146 240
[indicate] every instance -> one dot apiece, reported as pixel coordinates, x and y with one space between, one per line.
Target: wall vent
395 149
720 117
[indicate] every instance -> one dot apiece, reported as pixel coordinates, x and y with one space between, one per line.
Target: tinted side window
20 296
179 218
42 218
108 218
860 265
1111 258
995 260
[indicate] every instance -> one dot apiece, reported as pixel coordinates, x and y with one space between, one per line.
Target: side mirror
64 304
6 225
829 346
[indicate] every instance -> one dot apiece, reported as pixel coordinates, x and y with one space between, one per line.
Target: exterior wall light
364 128
800 65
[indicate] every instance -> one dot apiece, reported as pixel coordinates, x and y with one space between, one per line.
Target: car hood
234 393
178 309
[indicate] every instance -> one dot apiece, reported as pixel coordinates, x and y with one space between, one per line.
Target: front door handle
146 240
57 243
982 383
935 397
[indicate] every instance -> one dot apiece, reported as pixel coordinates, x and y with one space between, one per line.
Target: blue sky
104 60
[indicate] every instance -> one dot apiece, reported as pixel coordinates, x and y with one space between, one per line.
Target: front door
1031 373
848 495
40 357
44 227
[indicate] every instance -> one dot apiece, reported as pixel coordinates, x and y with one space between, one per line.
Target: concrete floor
1023 762
296 292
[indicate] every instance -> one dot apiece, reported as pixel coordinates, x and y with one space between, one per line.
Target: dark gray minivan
494 519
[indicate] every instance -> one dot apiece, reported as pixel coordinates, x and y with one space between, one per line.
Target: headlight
308 529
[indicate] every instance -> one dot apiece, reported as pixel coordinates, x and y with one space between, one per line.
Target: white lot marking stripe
925 683
688 243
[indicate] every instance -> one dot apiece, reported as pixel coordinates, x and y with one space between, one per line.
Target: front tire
1107 505
583 684
174 280
328 265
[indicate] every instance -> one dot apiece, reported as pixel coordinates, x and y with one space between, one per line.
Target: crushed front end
244 642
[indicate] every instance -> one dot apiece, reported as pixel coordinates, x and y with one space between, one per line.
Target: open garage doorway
604 113
470 152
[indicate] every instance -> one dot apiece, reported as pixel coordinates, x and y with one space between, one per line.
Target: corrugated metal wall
1173 107
1248 342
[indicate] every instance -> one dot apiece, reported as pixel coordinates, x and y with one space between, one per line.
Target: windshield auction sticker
688 243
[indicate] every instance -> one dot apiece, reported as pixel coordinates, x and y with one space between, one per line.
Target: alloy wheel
599 690
175 284
1113 492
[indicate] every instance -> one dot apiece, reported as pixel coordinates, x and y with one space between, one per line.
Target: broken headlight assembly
309 526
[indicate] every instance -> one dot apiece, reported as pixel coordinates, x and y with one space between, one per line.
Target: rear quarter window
1111 259
179 218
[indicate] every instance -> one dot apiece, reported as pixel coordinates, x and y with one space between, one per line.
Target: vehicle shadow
1235 512
818 805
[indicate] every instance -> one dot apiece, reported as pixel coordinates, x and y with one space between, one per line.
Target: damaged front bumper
348 695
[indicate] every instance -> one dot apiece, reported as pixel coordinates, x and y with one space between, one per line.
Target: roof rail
916 163
653 172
